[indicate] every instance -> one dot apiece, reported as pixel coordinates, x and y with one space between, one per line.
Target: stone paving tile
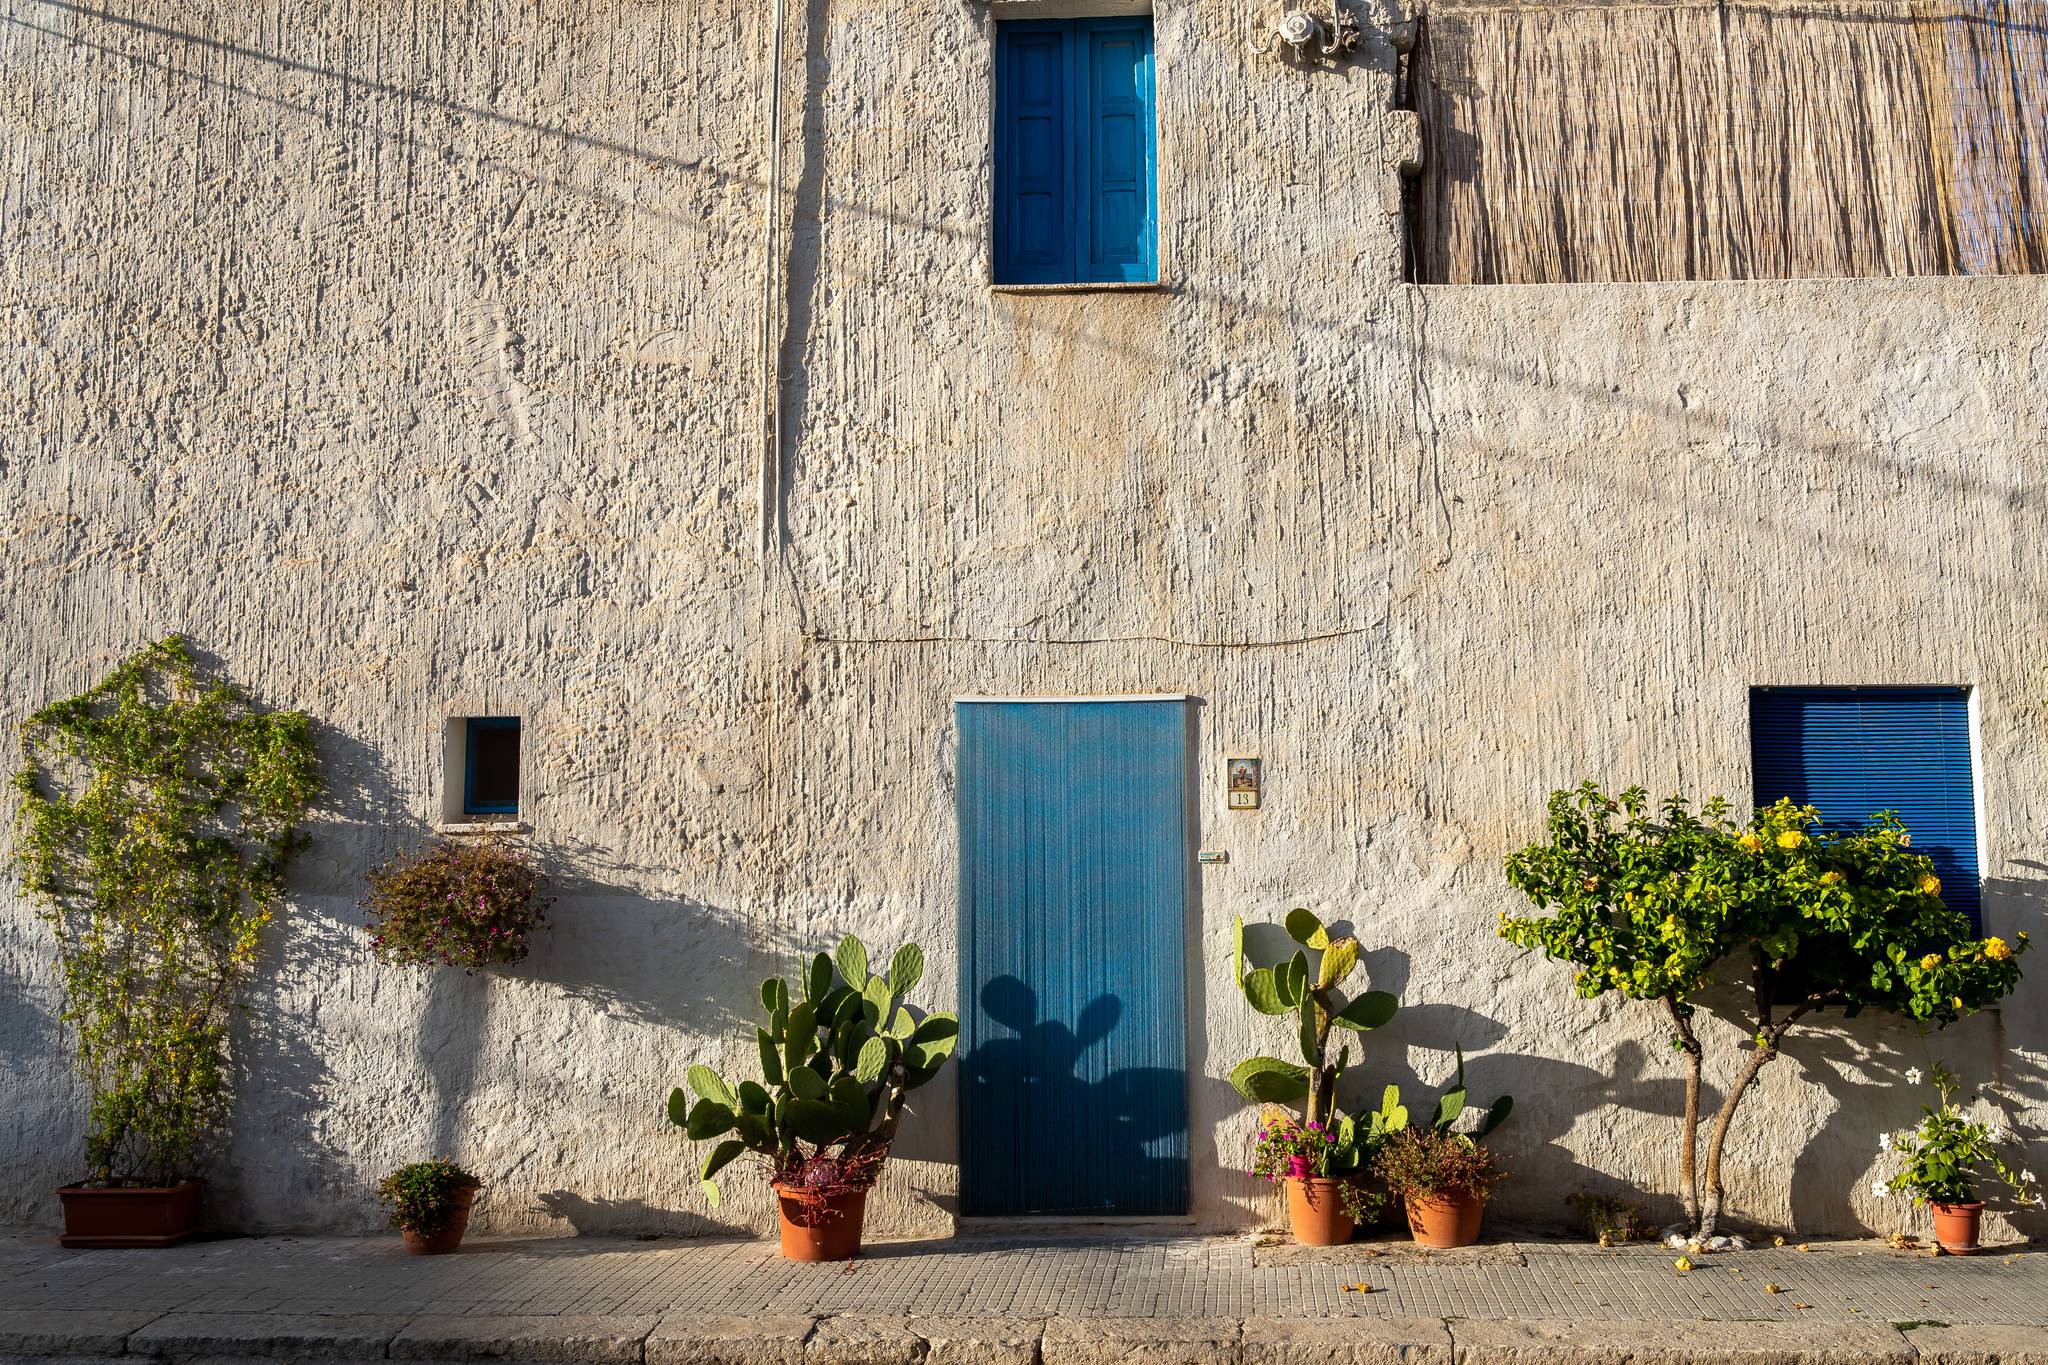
692 1339
1979 1344
1019 1278
1678 1343
544 1337
354 1336
53 1331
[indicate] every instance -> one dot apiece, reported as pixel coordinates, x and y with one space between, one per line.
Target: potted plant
1319 1154
158 811
839 1058
1940 1158
469 905
430 1203
1443 1179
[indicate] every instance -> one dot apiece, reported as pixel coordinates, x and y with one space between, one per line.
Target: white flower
1878 1190
1999 1135
1912 1075
1884 1142
2026 1177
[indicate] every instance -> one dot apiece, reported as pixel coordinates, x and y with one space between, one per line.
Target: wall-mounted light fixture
1307 33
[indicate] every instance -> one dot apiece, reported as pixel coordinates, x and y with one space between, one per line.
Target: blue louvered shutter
1034 204
1116 171
1852 752
1076 174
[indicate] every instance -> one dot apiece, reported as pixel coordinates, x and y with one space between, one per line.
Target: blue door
1074 873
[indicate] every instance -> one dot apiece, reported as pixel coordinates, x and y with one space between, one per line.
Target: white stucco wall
405 356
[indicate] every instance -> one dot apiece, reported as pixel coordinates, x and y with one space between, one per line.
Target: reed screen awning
1694 141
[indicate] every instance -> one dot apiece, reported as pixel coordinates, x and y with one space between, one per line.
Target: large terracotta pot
1955 1226
1316 1208
130 1216
448 1236
1446 1221
826 1229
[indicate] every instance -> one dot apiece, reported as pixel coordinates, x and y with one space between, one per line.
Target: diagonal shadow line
1767 433
590 141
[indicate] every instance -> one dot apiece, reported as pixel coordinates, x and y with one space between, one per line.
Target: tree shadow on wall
1040 1136
1861 1064
284 1086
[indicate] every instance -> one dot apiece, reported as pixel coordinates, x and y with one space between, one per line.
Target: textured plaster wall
406 356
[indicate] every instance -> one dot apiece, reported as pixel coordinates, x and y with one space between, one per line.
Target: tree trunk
1688 1158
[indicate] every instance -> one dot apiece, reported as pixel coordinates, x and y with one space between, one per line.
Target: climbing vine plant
157 813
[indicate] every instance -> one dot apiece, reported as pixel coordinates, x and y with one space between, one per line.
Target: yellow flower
1930 885
1995 949
1830 878
1956 1000
2023 936
1790 838
1750 842
1930 962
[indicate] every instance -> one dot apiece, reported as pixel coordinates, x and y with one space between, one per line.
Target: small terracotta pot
1315 1206
129 1215
1955 1226
448 1236
826 1229
1446 1221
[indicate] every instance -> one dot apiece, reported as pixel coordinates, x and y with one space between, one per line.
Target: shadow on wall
306 1147
1861 1064
1049 1138
627 1217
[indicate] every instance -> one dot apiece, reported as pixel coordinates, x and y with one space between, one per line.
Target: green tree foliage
157 813
1620 886
1814 919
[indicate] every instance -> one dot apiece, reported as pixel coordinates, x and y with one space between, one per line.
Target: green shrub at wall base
422 1196
156 814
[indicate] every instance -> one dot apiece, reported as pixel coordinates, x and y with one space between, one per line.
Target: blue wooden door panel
1033 171
1852 752
1116 174
1076 174
1073 896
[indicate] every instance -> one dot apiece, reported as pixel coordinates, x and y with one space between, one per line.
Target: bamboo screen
1738 141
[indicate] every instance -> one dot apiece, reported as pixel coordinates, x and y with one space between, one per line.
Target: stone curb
526 1337
97 1337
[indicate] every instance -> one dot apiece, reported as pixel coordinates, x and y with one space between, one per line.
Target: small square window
490 766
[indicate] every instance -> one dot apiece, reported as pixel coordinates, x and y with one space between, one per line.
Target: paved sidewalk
984 1300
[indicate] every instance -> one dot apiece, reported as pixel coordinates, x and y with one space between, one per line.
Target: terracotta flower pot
130 1216
821 1229
1446 1221
1315 1206
448 1236
1955 1226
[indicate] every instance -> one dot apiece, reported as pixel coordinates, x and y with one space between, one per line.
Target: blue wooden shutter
1854 751
1076 170
1117 160
1034 200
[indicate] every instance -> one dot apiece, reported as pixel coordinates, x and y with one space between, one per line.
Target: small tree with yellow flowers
1848 920
1818 919
1620 885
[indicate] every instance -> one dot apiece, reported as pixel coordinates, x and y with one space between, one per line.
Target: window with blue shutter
1854 751
490 768
1076 173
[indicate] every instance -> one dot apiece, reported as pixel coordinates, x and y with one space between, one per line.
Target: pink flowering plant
469 905
1292 1148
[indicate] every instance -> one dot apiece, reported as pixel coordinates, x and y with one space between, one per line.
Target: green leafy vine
157 813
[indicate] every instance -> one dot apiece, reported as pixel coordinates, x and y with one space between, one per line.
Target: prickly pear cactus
839 1057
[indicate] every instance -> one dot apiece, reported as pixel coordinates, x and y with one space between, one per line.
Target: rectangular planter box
138 1216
